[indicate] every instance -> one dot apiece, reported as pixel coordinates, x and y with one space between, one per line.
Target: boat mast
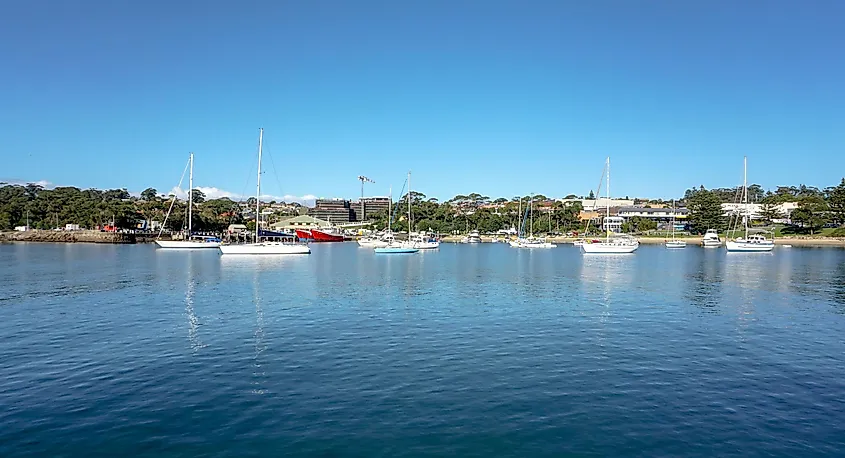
531 212
673 220
409 205
519 233
607 204
258 183
390 208
745 193
190 194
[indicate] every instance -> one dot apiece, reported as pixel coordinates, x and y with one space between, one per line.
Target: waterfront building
333 210
299 222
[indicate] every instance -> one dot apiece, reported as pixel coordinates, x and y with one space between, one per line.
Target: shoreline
821 242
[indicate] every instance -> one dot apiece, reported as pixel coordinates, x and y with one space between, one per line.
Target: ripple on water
470 351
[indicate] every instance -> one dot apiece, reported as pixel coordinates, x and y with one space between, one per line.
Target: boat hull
372 243
711 243
676 244
396 250
185 244
746 247
320 236
302 234
608 248
265 248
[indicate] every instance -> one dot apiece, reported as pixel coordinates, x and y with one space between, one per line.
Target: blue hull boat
395 250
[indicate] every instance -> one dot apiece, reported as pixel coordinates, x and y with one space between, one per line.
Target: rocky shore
67 237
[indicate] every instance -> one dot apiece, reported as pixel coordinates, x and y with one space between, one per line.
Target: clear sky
497 97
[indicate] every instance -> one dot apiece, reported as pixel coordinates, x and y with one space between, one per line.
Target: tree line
90 208
51 208
815 207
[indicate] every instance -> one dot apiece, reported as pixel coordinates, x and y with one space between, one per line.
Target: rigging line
400 200
598 192
161 229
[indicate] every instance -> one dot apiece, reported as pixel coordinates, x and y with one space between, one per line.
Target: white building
71 227
612 223
601 202
663 214
754 210
21 228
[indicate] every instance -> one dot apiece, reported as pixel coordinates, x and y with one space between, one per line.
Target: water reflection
704 276
258 372
193 321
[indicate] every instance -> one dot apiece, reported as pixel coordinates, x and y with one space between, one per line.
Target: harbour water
469 350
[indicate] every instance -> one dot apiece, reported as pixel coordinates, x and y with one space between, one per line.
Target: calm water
468 351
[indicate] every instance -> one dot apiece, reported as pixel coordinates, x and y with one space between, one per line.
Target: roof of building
300 220
652 210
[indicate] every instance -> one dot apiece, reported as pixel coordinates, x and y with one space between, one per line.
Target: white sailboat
417 241
266 247
618 244
190 242
472 237
396 247
532 242
755 243
675 243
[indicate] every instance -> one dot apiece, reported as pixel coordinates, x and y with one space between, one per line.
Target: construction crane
363 179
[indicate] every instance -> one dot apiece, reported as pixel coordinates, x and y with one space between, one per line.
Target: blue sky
497 97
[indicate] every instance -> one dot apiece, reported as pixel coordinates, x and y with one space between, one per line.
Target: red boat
320 236
303 235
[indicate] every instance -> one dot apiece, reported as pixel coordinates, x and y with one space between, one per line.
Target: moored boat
612 244
755 243
326 236
303 234
711 239
190 241
269 245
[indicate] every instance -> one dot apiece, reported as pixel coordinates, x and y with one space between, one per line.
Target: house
21 228
299 222
659 214
71 227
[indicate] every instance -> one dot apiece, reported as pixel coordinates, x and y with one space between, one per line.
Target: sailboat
265 247
532 242
395 247
675 243
754 243
418 241
383 239
619 244
191 242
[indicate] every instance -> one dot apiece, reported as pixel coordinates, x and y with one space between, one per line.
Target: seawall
67 237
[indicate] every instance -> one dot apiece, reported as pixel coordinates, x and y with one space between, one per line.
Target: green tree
197 196
811 213
705 211
149 194
592 195
836 202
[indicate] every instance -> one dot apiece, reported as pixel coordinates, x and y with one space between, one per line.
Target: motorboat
711 239
472 237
